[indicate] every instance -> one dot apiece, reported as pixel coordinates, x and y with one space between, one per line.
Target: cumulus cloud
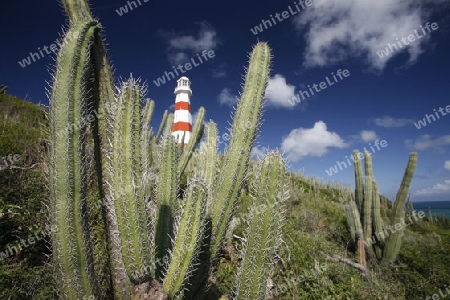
316 141
339 29
389 122
425 142
438 189
258 153
368 136
279 92
447 165
226 98
182 47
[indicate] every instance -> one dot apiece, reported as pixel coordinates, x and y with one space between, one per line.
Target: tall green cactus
188 239
197 132
370 219
152 231
263 232
235 162
128 194
67 179
166 197
393 242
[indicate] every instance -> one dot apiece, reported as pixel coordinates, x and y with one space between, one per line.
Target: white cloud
388 122
339 29
226 98
447 165
258 153
438 189
425 142
302 142
368 136
278 92
182 47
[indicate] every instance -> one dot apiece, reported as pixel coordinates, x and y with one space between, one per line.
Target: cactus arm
188 239
161 126
169 124
77 10
209 156
103 99
228 184
166 197
368 197
393 242
377 220
193 141
359 182
71 244
263 229
128 198
145 146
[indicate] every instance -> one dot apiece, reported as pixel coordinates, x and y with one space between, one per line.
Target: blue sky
386 91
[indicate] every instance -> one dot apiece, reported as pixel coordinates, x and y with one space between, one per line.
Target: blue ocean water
441 208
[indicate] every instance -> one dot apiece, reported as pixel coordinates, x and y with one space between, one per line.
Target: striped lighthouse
182 123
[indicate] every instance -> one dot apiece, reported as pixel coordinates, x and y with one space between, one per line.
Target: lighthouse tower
182 123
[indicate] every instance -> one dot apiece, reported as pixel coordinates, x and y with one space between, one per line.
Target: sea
441 208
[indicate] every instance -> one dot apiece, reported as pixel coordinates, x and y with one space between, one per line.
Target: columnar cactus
243 134
264 229
153 233
72 248
197 132
126 180
370 221
393 242
166 195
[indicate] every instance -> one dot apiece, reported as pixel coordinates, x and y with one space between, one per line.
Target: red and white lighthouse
182 123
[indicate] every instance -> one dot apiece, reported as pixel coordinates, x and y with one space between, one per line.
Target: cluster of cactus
159 236
364 214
